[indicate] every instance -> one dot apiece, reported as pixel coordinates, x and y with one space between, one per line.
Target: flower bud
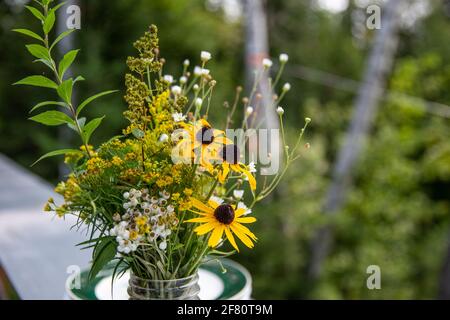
205 56
284 58
280 111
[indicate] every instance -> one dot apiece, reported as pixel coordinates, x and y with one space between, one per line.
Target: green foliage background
397 215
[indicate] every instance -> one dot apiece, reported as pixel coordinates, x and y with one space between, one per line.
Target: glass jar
176 289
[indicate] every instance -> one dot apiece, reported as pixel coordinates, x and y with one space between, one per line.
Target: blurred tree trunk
378 66
256 49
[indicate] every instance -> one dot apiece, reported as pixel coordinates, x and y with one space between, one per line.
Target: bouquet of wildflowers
170 190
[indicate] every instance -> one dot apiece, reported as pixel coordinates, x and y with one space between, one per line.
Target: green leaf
90 99
52 118
81 123
38 51
104 252
46 62
60 37
38 81
56 153
29 33
79 78
49 22
138 133
65 90
55 8
36 13
90 128
66 62
48 103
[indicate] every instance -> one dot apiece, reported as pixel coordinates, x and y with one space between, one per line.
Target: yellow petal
201 220
216 236
203 123
201 206
239 212
246 220
213 204
245 240
251 178
231 238
205 228
223 173
245 230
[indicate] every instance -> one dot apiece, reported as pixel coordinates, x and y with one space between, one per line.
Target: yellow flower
141 221
201 143
188 192
218 218
229 158
133 235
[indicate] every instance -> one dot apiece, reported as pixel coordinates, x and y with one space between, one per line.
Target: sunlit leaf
90 99
66 62
29 33
49 22
48 103
90 127
38 81
56 153
60 37
65 90
38 51
36 13
52 118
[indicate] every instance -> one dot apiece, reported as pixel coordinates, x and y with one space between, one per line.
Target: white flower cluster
146 219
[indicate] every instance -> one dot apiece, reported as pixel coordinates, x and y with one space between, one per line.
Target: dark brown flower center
205 135
230 153
224 214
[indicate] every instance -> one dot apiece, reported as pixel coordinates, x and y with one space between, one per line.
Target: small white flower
198 102
267 63
280 111
168 78
186 63
164 194
287 87
163 138
205 56
183 80
252 167
196 87
163 245
126 195
238 194
217 200
205 72
133 202
249 110
176 90
284 58
126 205
178 117
198 71
126 250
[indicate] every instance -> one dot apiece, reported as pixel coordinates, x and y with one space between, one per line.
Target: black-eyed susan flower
229 158
202 142
218 218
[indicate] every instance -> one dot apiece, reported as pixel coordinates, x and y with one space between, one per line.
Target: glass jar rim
185 279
